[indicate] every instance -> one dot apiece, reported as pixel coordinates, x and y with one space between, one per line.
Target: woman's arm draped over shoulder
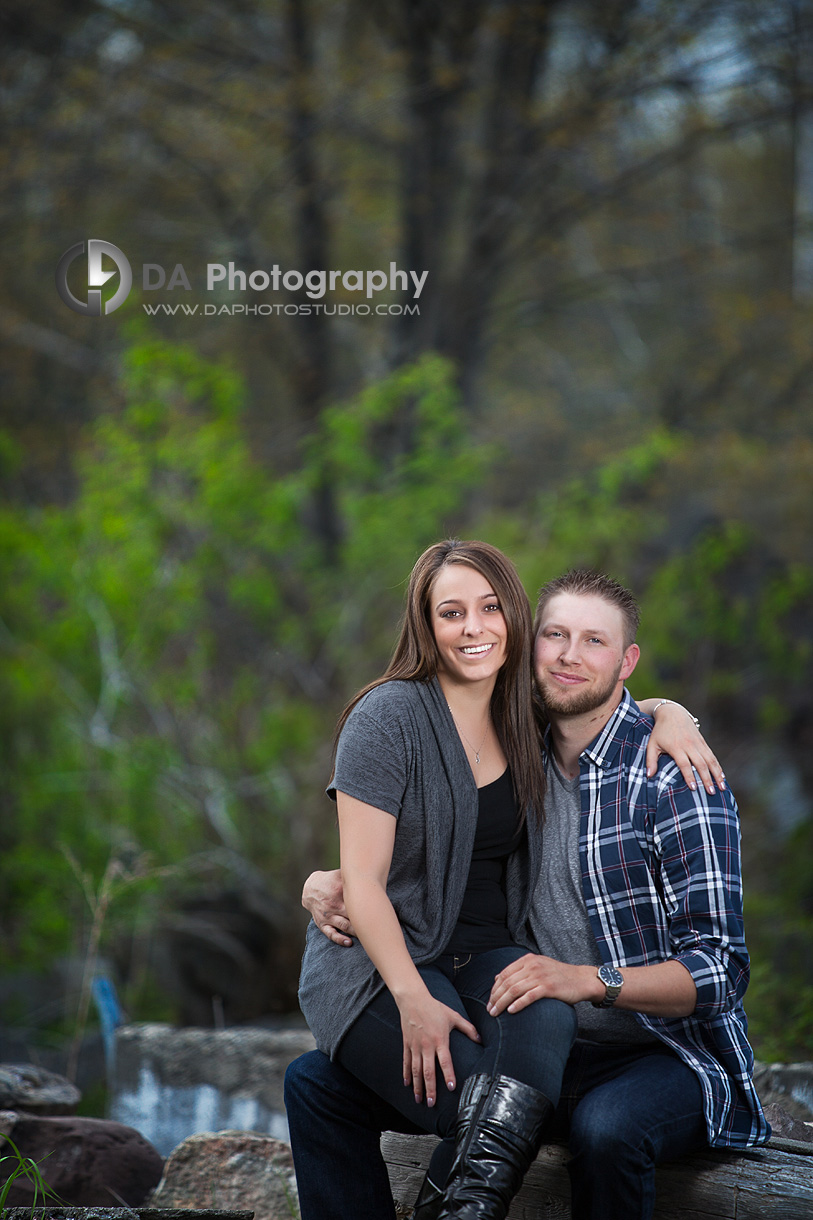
676 734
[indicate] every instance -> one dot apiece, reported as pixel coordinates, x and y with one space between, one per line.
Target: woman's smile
468 624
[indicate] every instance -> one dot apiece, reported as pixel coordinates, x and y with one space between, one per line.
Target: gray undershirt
559 916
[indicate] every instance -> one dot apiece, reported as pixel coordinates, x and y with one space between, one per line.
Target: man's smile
566 679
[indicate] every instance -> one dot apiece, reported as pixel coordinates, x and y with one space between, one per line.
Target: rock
24 1086
171 1083
244 1061
790 1085
86 1161
784 1124
230 1169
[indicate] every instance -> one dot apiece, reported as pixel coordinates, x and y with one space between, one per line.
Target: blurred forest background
208 521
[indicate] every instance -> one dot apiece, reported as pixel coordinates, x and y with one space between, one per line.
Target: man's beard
576 702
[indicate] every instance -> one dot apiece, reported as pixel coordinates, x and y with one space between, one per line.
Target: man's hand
534 976
323 896
664 989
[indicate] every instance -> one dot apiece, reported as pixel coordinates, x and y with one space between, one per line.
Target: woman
439 784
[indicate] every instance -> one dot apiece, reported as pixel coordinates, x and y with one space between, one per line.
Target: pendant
476 757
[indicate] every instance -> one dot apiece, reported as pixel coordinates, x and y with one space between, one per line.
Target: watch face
610 977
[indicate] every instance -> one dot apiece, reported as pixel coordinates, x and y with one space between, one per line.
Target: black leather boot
500 1125
427 1204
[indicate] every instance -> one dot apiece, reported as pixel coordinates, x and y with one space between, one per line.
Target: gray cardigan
400 751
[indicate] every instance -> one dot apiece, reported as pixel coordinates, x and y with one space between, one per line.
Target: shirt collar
603 748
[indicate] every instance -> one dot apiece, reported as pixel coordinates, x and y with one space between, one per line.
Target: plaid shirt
662 879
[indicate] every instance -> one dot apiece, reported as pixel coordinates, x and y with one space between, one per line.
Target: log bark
770 1183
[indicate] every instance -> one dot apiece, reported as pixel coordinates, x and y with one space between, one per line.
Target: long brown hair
415 659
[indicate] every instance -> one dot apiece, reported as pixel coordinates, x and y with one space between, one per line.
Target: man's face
580 657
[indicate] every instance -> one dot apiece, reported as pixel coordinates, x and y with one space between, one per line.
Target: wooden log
770 1183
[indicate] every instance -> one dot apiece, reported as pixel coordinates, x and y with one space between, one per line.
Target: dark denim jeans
335 1122
531 1045
623 1110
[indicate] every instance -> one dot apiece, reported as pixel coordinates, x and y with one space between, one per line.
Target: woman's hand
676 734
426 1024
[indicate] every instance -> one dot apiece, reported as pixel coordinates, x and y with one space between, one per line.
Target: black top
483 917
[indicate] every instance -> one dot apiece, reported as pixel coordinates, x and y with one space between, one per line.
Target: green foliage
179 639
22 1167
780 995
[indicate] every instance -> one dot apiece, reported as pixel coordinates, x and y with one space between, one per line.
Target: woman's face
468 624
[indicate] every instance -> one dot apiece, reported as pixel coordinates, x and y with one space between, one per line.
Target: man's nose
570 652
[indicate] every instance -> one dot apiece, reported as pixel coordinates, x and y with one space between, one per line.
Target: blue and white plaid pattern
662 879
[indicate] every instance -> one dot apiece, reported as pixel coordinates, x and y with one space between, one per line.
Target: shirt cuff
716 993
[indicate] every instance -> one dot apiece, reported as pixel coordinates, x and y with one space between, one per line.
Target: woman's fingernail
693 786
430 1101
418 1098
407 1082
450 1085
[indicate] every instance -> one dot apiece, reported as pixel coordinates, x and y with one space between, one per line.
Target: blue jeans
623 1110
531 1045
335 1122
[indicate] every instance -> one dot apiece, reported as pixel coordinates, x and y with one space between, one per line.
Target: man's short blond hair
587 583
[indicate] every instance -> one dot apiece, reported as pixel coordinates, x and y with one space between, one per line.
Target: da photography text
227 279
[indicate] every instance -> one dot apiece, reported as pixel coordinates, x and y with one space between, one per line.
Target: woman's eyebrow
456 600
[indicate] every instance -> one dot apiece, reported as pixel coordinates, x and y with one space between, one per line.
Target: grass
22 1167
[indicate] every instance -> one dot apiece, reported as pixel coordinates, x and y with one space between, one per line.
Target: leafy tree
178 645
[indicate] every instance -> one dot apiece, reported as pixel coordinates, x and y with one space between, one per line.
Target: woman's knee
534 1046
547 1025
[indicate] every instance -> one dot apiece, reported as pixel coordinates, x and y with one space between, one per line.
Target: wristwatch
613 981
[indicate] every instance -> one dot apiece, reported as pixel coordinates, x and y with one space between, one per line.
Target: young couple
547 920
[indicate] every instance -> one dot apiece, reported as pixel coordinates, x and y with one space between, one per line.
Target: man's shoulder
632 731
628 727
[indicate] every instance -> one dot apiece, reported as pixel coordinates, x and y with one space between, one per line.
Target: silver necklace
476 749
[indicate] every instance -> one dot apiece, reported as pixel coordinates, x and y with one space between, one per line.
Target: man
637 918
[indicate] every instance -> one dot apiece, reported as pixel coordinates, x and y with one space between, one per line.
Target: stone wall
171 1083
